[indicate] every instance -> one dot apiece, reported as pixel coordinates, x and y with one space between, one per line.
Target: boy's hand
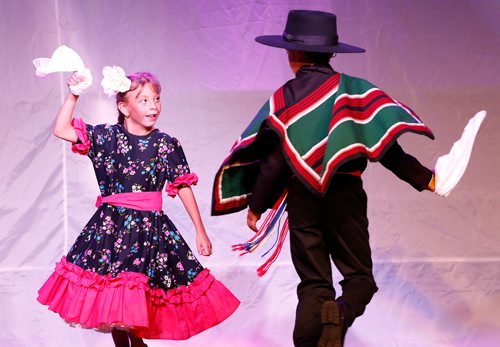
252 219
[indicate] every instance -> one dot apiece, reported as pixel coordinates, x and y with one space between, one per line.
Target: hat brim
279 42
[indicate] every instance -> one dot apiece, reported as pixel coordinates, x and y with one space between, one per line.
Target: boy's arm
272 179
407 168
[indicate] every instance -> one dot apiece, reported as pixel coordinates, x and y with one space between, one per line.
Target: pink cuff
83 146
181 181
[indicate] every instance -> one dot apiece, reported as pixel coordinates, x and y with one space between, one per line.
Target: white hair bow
115 80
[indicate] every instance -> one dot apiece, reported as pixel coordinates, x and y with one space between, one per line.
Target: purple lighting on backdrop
436 260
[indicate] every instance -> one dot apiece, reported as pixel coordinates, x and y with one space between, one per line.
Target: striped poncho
344 118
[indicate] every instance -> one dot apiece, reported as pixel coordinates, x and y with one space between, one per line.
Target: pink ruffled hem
190 179
92 301
84 145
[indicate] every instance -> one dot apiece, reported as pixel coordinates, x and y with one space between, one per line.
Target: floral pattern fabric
118 239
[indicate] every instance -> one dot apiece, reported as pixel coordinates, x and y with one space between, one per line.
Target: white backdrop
437 261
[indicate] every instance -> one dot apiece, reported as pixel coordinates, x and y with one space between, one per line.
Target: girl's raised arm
62 126
189 201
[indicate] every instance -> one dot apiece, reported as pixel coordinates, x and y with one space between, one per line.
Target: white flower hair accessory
115 81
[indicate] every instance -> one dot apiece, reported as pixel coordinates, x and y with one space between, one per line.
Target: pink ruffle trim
190 179
84 145
93 301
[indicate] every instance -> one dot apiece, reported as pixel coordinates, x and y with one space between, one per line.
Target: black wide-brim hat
311 31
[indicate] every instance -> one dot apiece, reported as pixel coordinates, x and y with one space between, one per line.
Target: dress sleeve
84 134
178 172
406 167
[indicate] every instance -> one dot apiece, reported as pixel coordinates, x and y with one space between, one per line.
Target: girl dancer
130 272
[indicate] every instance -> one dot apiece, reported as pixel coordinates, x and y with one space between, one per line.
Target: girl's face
141 108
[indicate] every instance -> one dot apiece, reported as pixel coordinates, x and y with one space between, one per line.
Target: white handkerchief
450 168
64 59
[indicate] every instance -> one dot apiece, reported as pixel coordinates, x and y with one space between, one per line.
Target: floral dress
129 268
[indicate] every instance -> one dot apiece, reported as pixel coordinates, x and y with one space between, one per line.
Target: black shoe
334 328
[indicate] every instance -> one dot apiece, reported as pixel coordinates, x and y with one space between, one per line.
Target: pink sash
143 201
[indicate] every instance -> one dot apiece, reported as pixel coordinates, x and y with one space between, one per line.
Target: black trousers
330 228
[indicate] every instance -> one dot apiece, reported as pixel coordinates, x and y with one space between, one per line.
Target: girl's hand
203 244
75 79
79 82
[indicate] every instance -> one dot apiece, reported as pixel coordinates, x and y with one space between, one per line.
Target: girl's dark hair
139 80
